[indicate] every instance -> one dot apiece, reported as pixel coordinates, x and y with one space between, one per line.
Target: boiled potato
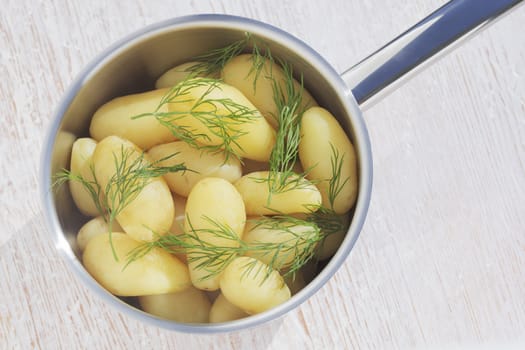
177 74
157 272
258 86
190 305
223 311
147 214
254 189
81 165
294 237
94 227
200 163
321 135
215 112
115 118
212 201
245 284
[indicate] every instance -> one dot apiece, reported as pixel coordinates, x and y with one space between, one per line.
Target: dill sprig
214 60
131 175
260 56
210 257
335 183
221 117
299 244
287 98
214 258
327 220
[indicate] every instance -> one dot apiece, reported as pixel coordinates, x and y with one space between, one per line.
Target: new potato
80 165
212 201
254 189
157 272
116 118
150 212
321 135
246 285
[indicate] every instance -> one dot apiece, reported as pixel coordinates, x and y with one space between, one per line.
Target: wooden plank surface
440 262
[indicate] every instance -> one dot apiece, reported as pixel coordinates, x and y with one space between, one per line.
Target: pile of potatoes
216 188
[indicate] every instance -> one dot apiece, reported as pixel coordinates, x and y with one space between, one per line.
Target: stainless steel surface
383 71
132 65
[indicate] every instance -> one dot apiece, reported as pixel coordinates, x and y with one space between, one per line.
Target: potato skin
201 206
158 272
223 311
245 284
254 190
115 118
190 305
239 72
151 212
200 164
80 164
320 131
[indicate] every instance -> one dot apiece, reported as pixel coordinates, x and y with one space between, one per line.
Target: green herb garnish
221 117
214 258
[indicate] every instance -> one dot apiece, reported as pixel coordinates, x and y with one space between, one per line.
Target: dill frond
287 98
335 183
222 118
294 245
214 258
214 60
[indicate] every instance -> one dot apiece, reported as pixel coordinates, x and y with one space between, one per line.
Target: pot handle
378 74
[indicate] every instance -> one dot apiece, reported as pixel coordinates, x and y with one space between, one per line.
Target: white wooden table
441 260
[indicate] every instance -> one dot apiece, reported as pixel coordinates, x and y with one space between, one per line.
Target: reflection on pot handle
378 74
